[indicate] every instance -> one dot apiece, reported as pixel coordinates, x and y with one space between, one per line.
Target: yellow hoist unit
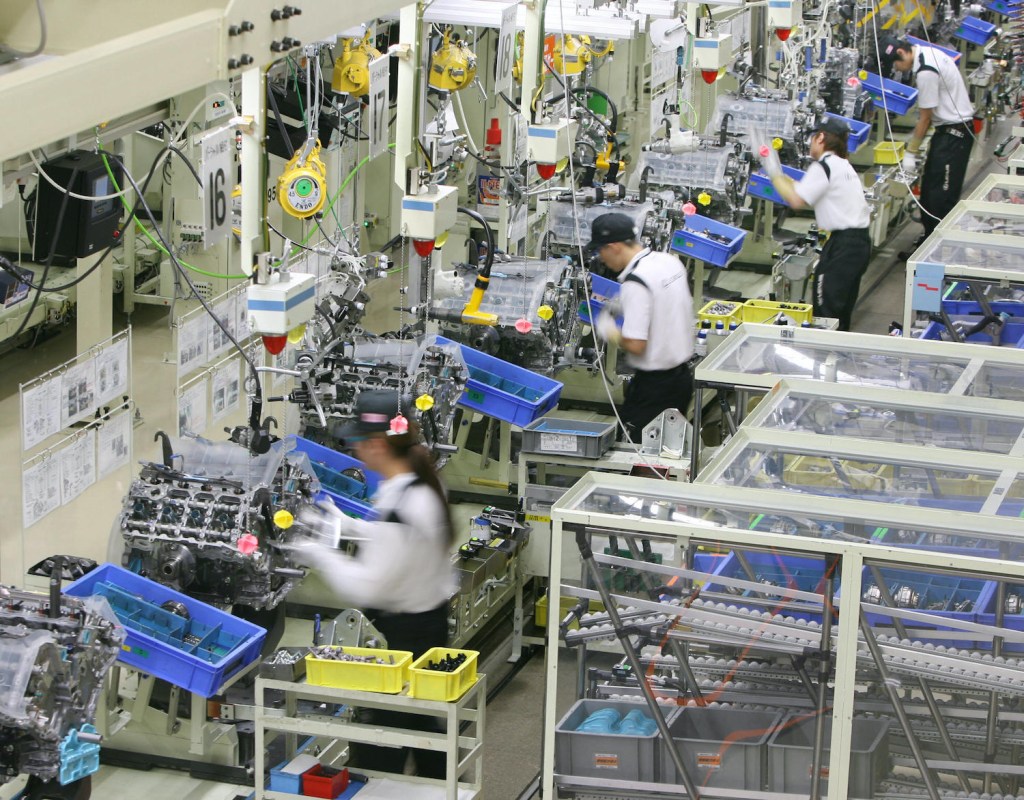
452 65
302 187
352 67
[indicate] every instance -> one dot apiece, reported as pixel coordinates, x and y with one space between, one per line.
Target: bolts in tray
339 654
447 664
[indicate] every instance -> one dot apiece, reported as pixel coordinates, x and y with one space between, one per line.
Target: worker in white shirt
942 101
834 189
402 574
657 322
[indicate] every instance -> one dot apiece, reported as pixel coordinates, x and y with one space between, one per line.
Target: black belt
955 128
849 232
670 371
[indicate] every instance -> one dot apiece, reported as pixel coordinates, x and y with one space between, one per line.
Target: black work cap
887 47
610 228
834 125
374 410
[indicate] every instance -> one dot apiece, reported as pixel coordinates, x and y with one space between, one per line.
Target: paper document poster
40 491
77 466
40 413
227 388
78 392
192 408
114 443
112 372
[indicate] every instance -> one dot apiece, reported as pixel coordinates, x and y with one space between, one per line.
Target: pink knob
524 325
764 151
399 424
689 209
248 544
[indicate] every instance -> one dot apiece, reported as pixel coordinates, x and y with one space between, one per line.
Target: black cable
8 267
611 126
50 255
323 233
485 272
297 244
281 128
258 393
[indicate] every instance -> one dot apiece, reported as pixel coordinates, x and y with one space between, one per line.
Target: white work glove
770 162
321 523
606 327
909 163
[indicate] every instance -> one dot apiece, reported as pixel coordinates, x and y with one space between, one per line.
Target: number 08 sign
216 167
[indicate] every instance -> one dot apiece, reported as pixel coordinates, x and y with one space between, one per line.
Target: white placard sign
380 102
40 492
113 443
506 50
193 346
77 466
112 372
78 392
217 156
40 413
227 388
192 408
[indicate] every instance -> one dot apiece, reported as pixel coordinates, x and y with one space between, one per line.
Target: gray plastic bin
790 749
568 437
725 748
604 755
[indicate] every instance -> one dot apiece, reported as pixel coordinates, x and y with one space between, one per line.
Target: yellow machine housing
302 187
352 68
452 65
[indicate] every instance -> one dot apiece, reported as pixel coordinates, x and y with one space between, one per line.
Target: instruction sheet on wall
226 389
40 491
193 335
40 413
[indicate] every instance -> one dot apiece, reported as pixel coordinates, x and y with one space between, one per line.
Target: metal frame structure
570 515
1003 471
739 364
948 413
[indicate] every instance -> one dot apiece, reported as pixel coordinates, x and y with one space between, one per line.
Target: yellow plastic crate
361 676
764 310
889 152
733 315
540 610
430 684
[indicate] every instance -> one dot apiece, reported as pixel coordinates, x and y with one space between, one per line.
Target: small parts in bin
716 237
447 664
287 657
339 654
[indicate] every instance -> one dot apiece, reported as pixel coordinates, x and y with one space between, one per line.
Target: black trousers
651 392
944 171
416 633
844 258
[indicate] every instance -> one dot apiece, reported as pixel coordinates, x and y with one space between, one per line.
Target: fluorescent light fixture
658 9
482 13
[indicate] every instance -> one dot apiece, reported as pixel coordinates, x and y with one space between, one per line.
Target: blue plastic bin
891 95
1012 336
503 390
197 654
349 494
760 185
1015 622
975 31
933 589
962 308
599 287
803 574
859 131
78 759
690 241
949 51
1005 7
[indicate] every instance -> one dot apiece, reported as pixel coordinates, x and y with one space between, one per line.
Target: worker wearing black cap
402 575
942 101
657 330
833 188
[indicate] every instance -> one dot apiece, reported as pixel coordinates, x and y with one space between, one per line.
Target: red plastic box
316 784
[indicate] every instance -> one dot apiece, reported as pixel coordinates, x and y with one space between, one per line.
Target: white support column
95 303
846 675
533 46
408 100
551 660
253 183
